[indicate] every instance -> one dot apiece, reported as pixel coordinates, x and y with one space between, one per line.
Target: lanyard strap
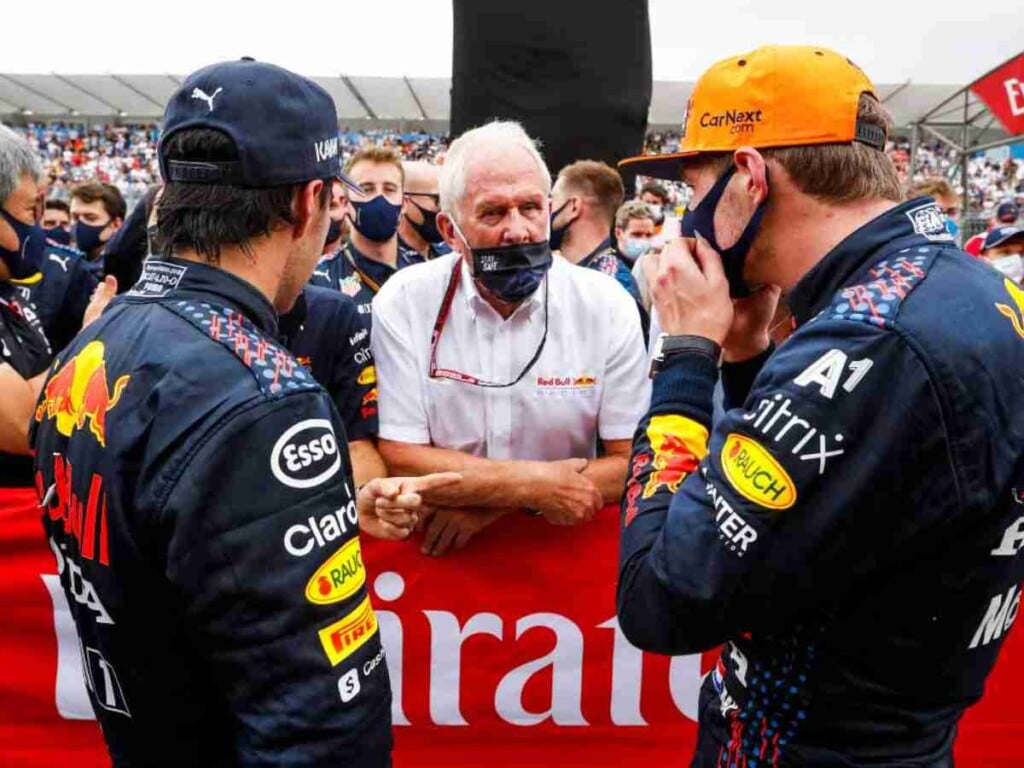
370 283
442 319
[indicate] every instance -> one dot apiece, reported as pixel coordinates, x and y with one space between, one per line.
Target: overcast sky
892 40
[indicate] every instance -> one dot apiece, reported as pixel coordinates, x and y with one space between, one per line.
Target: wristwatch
666 345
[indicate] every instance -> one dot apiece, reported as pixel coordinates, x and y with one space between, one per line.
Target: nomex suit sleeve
773 509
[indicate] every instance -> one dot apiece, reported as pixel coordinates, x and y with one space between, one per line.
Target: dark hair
654 188
57 205
109 195
206 217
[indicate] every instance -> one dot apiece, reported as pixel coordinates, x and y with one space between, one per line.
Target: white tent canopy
401 99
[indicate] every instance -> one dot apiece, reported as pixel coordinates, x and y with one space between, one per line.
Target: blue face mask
634 247
702 220
376 219
87 236
26 261
58 235
952 227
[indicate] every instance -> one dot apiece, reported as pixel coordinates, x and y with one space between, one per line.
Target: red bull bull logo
678 445
78 393
370 397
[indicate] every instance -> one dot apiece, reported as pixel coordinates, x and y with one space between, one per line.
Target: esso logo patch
306 455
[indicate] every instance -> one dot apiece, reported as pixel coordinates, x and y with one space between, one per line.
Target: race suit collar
917 222
174 278
601 249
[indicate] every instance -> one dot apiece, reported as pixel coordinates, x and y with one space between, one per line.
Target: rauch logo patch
340 577
756 474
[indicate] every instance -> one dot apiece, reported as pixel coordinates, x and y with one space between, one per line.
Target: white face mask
1011 266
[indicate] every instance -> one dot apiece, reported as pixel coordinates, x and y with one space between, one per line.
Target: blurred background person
634 238
97 212
666 223
1006 215
57 221
371 255
418 236
1003 249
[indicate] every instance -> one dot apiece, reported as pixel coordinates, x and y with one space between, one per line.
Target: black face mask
511 272
558 233
701 219
333 232
428 229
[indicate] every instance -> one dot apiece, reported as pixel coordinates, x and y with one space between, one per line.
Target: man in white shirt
503 362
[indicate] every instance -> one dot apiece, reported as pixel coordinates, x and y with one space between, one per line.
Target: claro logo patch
306 455
339 577
756 474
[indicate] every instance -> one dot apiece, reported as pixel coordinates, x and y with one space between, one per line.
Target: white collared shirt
590 381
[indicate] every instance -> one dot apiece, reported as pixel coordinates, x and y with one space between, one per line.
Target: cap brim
669 167
1018 234
348 182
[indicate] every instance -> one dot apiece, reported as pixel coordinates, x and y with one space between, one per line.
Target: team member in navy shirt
419 239
371 256
326 333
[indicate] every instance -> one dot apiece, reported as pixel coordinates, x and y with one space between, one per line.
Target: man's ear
446 226
752 163
307 208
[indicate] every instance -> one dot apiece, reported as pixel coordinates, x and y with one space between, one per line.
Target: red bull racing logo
678 445
78 393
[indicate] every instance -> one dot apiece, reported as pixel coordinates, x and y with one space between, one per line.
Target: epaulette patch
275 369
890 282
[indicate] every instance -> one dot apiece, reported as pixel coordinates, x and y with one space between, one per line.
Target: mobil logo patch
306 455
755 473
339 577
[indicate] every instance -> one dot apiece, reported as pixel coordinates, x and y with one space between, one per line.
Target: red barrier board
505 654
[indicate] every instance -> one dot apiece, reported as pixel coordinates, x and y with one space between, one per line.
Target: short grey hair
452 184
16 160
632 209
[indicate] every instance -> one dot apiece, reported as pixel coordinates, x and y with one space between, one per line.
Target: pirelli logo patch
343 638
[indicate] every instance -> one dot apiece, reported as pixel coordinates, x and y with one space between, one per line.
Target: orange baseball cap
775 96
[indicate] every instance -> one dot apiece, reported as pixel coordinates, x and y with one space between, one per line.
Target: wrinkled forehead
504 171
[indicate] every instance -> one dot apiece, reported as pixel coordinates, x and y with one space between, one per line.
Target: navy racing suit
197 495
850 529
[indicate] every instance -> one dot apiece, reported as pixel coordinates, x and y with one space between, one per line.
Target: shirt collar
915 222
375 270
171 277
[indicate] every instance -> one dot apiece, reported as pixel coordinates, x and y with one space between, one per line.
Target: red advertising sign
505 654
1002 91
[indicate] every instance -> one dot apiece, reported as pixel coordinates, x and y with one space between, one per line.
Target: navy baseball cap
1007 212
1000 235
284 126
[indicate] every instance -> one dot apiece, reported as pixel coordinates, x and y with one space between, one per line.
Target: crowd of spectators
125 156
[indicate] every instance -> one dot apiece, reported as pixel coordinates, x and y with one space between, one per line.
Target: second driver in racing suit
849 531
